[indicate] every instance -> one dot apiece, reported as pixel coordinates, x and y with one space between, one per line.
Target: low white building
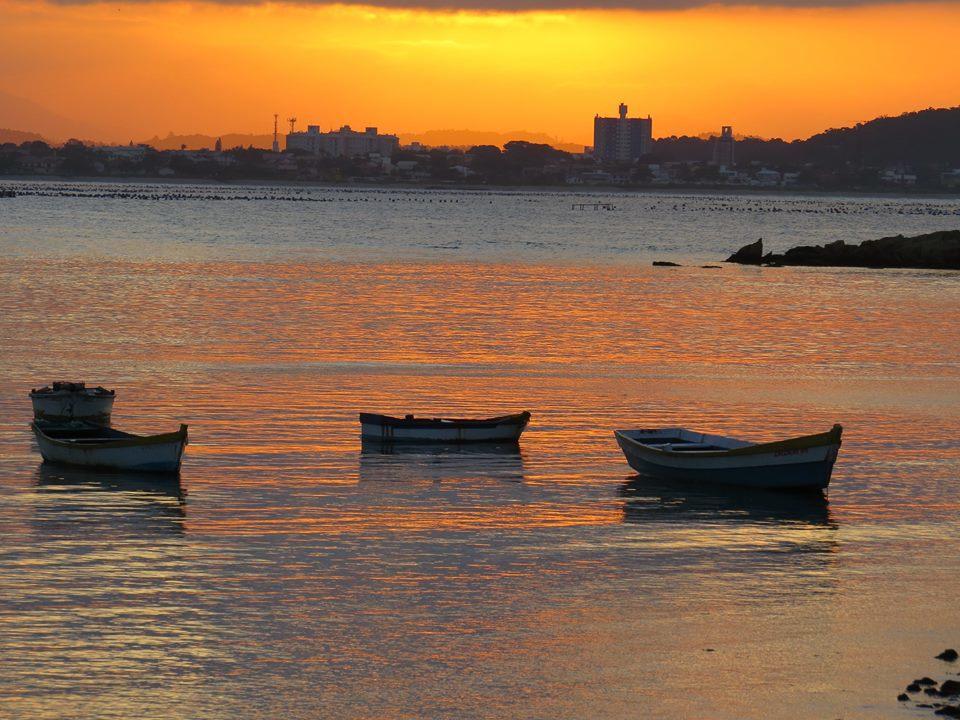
343 142
898 176
767 177
132 152
950 178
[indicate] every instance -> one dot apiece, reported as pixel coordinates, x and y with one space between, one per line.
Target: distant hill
18 136
33 118
199 142
924 138
915 138
470 138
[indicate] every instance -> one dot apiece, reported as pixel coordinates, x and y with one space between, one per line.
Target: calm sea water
293 574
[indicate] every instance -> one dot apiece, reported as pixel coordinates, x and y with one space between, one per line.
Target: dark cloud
532 5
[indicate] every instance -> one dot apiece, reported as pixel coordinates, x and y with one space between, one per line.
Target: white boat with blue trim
387 429
680 454
92 446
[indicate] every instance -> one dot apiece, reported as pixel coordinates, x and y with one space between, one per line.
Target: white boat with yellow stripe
680 454
93 446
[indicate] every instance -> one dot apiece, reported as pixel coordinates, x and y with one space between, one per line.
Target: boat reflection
648 500
397 462
116 502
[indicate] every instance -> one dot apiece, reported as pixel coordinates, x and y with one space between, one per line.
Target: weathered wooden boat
385 428
680 454
68 401
93 446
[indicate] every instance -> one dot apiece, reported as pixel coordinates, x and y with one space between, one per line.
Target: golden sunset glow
134 70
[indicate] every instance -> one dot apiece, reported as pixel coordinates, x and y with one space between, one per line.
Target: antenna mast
276 142
292 121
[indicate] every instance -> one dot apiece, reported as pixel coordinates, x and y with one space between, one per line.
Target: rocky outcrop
936 250
751 254
928 686
949 688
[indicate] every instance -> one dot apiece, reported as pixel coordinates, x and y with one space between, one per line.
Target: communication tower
292 121
276 142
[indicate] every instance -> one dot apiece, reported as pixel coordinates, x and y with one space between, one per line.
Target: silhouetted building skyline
723 147
344 142
622 139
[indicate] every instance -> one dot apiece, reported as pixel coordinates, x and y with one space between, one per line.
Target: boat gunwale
87 392
803 442
131 441
519 419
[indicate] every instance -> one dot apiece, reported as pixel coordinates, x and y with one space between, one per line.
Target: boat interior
84 433
683 440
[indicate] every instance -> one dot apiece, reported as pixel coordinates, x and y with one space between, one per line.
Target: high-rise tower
622 139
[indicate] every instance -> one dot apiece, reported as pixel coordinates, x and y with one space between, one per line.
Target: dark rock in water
903 697
950 687
665 263
751 254
949 655
931 691
928 681
936 250
711 267
913 687
949 711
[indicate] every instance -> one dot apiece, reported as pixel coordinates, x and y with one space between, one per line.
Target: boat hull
385 429
68 406
801 468
156 453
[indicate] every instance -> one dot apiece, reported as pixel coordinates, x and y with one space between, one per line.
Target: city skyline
206 68
449 137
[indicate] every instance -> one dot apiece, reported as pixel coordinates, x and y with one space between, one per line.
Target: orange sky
132 70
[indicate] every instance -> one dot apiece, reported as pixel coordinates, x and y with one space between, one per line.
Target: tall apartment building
343 142
622 139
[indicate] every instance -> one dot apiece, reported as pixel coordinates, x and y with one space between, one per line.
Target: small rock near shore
665 263
913 687
949 711
949 655
903 697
